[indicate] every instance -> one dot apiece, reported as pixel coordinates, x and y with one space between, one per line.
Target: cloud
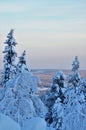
11 8
40 25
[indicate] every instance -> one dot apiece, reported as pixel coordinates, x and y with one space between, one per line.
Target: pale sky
52 32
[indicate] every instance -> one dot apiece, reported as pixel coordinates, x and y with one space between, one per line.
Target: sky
52 32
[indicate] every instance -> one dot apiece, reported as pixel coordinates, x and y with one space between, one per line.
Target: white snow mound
35 123
8 124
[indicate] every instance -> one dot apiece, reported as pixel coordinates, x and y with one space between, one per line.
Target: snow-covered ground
35 123
7 123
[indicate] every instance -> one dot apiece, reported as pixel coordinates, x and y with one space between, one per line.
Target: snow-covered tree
75 101
9 58
20 101
21 66
54 99
75 104
74 78
75 65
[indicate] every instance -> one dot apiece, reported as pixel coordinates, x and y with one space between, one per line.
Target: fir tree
75 101
75 104
56 94
20 101
21 66
75 65
74 78
9 58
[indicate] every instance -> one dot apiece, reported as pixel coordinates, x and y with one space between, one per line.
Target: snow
26 80
20 101
8 124
35 123
59 74
50 128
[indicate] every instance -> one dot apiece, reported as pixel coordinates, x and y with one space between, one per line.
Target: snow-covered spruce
75 65
74 78
20 101
22 63
55 101
9 58
75 107
75 101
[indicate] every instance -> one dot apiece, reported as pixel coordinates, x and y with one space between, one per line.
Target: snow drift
8 124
